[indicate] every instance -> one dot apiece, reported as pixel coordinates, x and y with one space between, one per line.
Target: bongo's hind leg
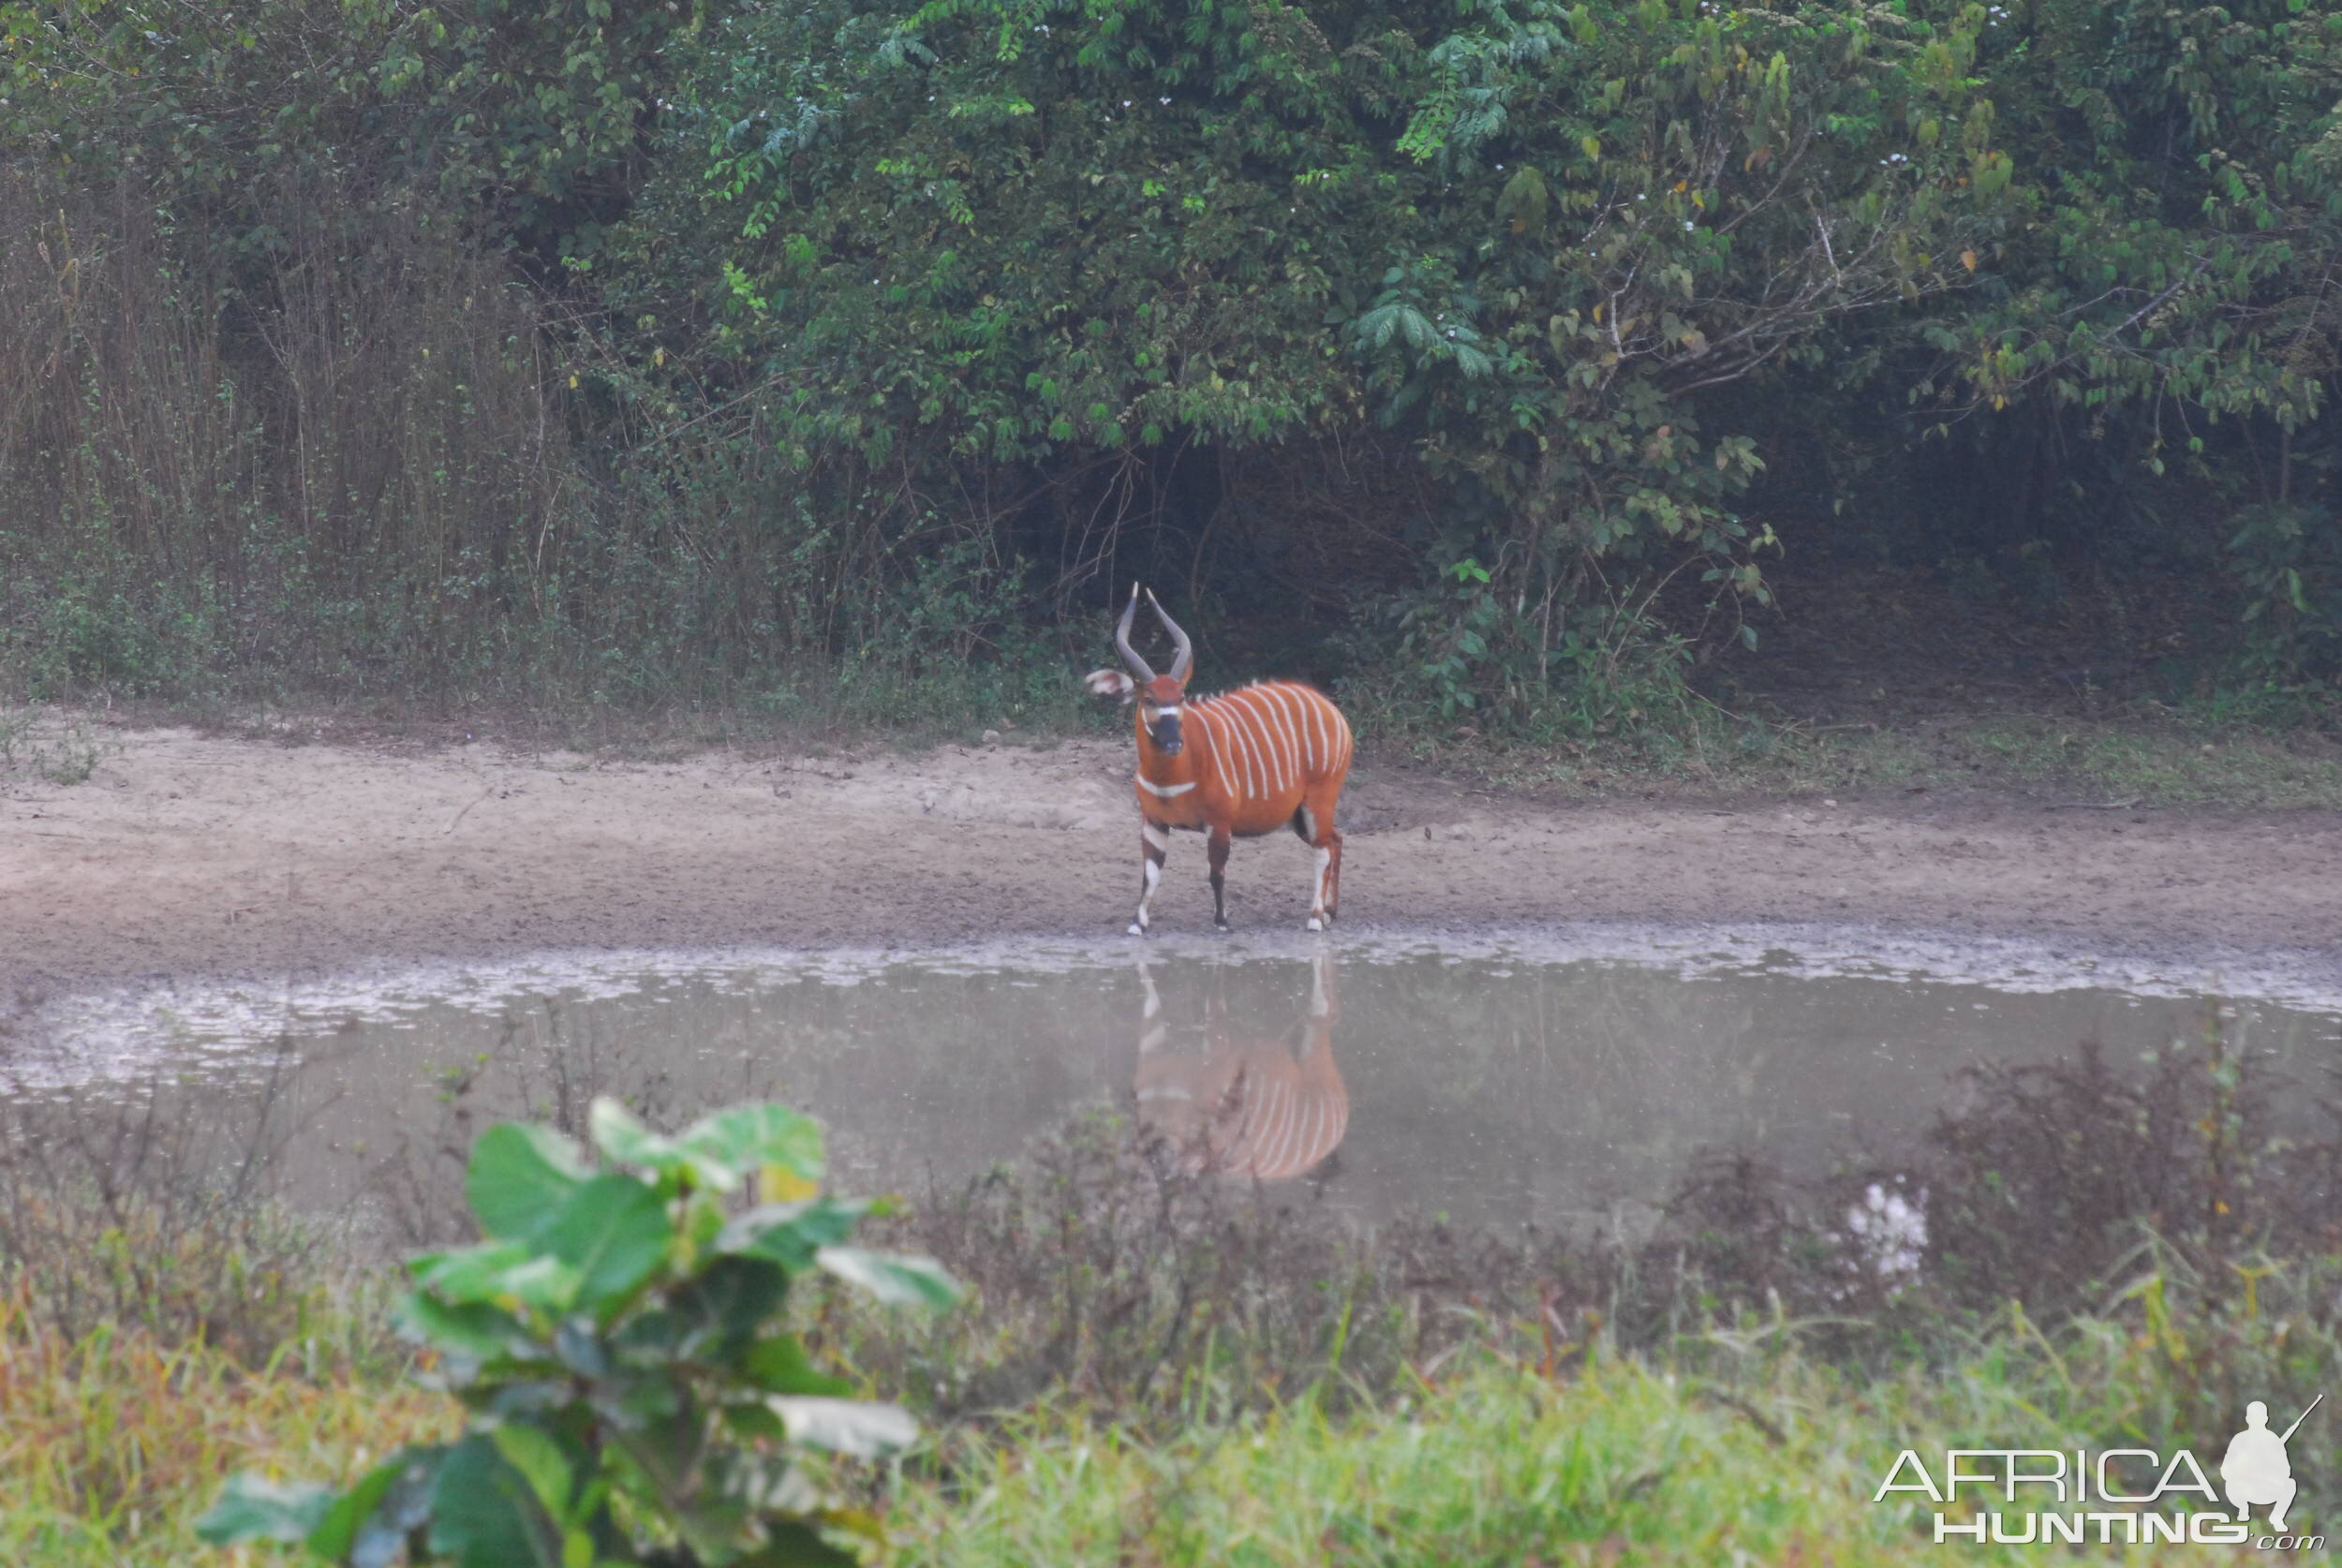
1316 829
1332 851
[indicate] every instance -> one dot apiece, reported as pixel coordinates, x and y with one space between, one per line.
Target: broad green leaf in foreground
622 1137
479 1329
255 1509
897 1278
519 1178
503 1270
484 1515
539 1462
746 1137
613 1231
367 1524
780 1366
791 1234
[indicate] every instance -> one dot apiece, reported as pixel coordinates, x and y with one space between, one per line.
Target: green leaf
484 1513
622 1137
897 1278
791 1233
351 1529
468 1273
504 1270
730 1299
748 1136
541 1462
479 1329
792 1543
337 1529
851 1427
614 1232
780 1365
519 1176
253 1508
546 1282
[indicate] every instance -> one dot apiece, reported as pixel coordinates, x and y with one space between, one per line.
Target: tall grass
115 1440
1615 1463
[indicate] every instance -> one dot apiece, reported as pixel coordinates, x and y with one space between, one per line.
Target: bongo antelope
1259 1109
1246 762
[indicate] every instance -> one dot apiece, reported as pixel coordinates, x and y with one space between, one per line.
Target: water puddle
1562 1078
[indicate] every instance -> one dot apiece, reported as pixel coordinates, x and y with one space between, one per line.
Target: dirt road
189 854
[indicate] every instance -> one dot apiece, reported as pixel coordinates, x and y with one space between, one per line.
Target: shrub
612 1341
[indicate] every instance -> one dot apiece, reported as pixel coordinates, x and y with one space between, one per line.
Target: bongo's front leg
1154 848
1217 853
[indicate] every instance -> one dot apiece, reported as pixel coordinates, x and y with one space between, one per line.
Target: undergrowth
1162 1367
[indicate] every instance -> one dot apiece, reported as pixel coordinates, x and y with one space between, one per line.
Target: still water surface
1500 1080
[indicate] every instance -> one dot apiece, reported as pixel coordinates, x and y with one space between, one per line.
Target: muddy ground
190 854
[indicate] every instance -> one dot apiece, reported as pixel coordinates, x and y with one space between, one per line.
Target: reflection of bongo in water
1266 1109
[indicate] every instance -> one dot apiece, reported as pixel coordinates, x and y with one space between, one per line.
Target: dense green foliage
712 350
629 1398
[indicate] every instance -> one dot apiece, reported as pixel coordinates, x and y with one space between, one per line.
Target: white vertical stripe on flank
1252 751
1274 698
1262 748
1240 715
1279 700
1275 735
1301 704
1301 730
1235 766
1231 767
1214 758
1272 751
1317 724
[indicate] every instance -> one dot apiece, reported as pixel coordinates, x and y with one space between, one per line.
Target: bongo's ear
1112 684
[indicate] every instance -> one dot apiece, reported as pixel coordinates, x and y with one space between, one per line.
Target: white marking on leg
1322 858
1158 840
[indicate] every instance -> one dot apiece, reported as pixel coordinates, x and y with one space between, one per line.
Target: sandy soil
189 854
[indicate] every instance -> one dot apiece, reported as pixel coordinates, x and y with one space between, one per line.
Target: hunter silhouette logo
2129 1497
2254 1469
